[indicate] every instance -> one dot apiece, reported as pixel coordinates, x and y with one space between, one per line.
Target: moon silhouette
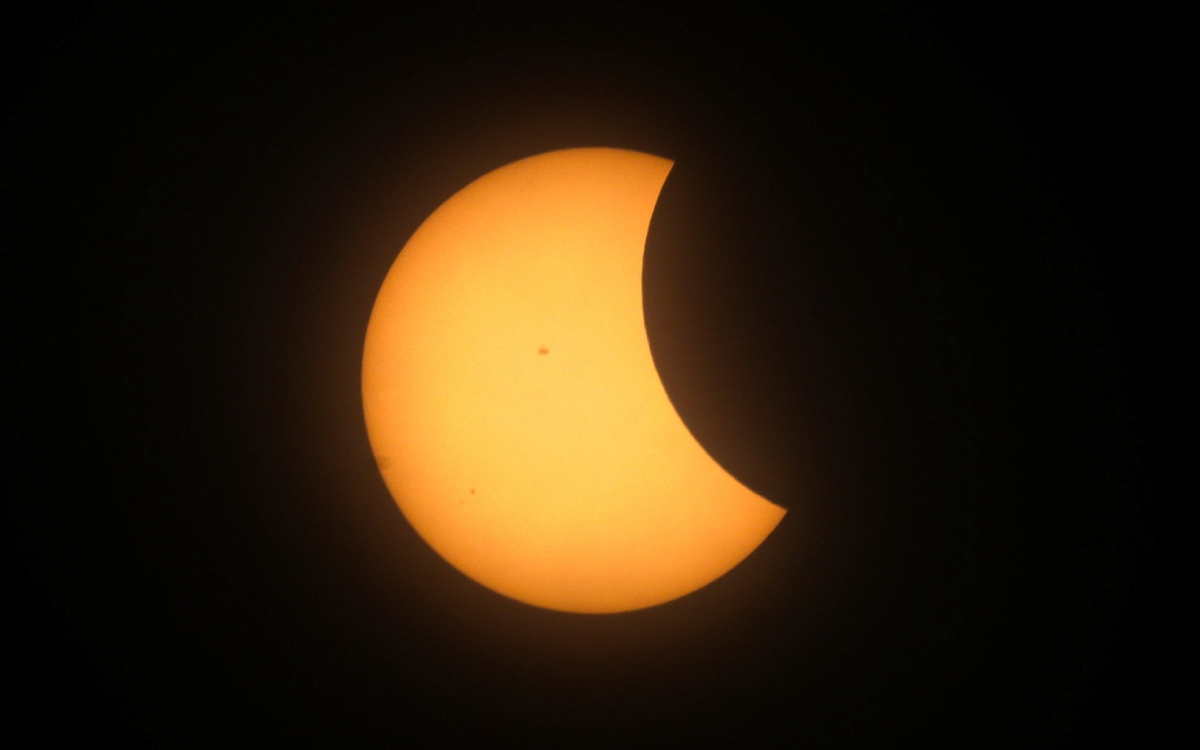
513 406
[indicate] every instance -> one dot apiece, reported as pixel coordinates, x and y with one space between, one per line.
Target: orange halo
515 410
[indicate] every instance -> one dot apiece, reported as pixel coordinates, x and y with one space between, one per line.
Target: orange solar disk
515 410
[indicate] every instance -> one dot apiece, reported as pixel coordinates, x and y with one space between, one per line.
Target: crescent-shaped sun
514 407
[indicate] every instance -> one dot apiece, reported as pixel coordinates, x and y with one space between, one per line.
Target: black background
899 281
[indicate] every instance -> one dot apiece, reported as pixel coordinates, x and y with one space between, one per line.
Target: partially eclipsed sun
514 407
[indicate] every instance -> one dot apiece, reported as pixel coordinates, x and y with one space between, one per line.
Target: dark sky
898 282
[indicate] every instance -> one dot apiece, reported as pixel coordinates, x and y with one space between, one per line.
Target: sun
513 404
